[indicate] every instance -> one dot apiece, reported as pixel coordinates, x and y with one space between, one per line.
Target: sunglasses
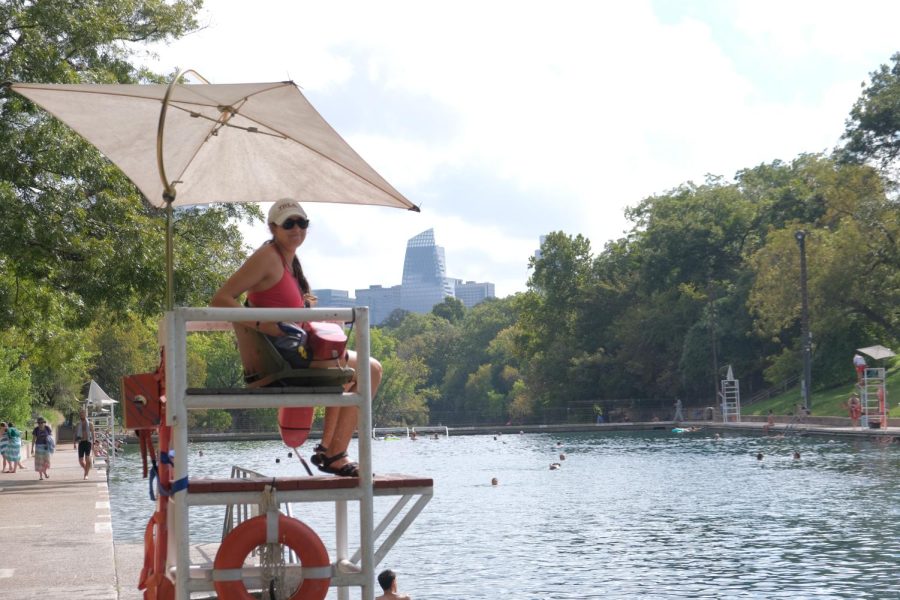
299 222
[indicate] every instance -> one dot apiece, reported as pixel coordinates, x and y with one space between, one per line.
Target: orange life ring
296 535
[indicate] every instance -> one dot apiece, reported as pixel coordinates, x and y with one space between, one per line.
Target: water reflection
652 515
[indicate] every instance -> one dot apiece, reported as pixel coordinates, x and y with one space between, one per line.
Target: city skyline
424 284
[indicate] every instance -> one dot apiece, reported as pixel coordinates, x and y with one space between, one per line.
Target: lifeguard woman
272 277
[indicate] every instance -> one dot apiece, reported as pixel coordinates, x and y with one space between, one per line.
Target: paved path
56 535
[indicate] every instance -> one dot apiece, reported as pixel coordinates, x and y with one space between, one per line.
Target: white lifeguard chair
873 397
872 389
347 569
100 411
730 396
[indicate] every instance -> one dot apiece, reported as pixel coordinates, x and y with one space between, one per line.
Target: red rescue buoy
295 424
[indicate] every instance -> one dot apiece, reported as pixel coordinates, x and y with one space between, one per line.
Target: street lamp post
806 337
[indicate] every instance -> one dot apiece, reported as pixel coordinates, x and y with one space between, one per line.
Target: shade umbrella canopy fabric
876 352
245 142
97 397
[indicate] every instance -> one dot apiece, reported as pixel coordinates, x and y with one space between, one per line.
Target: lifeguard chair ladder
356 570
730 395
873 397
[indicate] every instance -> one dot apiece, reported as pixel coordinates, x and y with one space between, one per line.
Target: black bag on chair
293 345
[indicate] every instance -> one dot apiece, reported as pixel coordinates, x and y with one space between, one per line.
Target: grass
827 403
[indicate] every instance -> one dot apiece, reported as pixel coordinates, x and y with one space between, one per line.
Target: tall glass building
425 281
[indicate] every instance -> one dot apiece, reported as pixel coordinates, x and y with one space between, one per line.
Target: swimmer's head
386 579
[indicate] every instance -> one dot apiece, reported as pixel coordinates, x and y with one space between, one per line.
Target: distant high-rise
333 298
425 283
425 280
471 293
382 301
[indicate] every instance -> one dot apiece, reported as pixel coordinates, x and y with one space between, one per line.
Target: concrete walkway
56 535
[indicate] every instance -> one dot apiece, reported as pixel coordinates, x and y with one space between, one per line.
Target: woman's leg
341 421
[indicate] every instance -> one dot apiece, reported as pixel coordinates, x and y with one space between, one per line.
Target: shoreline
822 426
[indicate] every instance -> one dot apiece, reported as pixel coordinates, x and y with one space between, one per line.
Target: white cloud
575 109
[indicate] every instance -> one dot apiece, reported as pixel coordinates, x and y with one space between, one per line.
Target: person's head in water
387 579
759 456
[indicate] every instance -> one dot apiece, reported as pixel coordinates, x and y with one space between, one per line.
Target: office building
382 301
425 280
334 298
425 283
471 293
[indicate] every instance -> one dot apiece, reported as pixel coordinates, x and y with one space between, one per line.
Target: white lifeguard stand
348 568
730 395
872 389
100 410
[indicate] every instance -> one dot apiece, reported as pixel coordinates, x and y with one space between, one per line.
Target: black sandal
323 463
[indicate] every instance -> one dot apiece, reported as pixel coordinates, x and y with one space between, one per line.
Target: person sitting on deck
855 409
273 278
387 579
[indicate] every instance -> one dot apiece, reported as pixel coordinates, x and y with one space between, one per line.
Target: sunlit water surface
629 515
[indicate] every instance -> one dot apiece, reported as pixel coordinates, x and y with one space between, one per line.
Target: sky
506 120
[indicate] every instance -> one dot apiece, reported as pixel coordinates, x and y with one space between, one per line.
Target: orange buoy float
294 534
295 423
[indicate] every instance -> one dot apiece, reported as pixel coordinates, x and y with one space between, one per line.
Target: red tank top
284 294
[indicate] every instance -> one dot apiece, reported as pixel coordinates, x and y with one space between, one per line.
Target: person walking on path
84 442
678 416
41 444
387 579
13 453
4 442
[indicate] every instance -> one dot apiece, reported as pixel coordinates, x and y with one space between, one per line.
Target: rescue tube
294 424
155 584
296 535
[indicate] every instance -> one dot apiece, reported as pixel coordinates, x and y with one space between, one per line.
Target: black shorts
84 448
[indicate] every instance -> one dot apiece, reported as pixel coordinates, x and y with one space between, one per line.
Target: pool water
628 515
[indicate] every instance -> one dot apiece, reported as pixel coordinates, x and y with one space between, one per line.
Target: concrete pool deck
56 537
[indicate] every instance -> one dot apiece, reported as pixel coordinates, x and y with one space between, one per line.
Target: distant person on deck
387 579
855 409
859 363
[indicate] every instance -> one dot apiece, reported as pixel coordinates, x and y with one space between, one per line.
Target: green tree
402 398
871 130
77 241
15 384
451 309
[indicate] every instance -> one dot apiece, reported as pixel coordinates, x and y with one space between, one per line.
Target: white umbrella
876 352
184 144
97 397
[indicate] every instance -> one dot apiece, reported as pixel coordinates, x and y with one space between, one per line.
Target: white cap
285 208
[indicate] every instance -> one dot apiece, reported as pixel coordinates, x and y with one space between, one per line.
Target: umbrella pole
170 257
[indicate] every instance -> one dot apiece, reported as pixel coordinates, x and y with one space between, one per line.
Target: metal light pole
806 337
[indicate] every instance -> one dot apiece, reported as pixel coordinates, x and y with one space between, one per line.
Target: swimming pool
628 515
